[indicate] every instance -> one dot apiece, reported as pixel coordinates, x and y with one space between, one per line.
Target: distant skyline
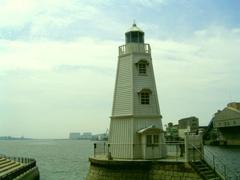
58 60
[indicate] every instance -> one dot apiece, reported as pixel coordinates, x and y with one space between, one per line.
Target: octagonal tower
136 128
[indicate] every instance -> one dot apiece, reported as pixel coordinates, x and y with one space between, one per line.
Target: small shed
150 142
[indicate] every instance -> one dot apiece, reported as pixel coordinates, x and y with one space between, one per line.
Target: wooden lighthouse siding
144 81
122 146
127 103
122 103
140 123
129 116
122 106
147 115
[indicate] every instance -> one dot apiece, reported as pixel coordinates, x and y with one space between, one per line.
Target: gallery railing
216 163
173 150
27 164
134 47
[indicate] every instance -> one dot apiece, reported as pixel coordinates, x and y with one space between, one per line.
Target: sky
58 60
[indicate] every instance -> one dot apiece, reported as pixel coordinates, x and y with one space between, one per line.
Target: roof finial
134 23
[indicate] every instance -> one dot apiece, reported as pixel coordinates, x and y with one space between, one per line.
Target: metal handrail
226 169
23 160
215 161
175 151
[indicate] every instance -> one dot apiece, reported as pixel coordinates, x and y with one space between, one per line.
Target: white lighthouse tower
136 128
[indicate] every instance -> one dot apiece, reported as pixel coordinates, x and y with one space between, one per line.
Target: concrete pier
103 169
18 168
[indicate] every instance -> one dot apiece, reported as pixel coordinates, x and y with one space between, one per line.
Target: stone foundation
32 174
140 170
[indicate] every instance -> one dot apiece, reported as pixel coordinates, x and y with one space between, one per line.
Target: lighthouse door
152 146
149 148
150 142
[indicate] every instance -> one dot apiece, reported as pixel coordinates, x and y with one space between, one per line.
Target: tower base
140 170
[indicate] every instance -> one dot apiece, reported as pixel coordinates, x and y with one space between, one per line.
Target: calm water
68 159
56 159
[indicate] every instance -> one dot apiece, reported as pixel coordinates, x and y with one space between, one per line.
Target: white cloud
148 3
46 55
16 13
72 82
196 76
50 81
55 19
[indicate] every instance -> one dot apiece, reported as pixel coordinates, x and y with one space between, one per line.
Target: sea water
56 159
68 159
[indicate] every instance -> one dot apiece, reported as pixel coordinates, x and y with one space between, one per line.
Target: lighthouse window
155 139
145 98
135 36
152 140
149 140
142 68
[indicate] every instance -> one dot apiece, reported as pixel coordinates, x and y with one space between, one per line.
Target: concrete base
32 174
140 170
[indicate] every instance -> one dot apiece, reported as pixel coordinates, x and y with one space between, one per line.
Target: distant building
171 132
189 124
227 123
86 135
202 129
74 135
229 116
100 137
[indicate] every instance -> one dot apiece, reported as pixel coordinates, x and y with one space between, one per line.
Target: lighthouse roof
134 28
134 35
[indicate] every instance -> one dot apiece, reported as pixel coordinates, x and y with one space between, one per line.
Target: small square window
152 140
155 139
145 98
142 68
149 140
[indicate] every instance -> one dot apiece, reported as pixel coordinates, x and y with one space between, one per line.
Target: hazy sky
58 60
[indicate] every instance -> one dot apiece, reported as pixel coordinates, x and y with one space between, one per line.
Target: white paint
128 114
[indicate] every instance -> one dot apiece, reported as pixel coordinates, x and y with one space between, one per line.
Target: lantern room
134 35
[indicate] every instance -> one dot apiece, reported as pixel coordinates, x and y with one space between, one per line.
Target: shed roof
152 129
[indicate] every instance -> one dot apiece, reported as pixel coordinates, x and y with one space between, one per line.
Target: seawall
140 170
18 168
32 174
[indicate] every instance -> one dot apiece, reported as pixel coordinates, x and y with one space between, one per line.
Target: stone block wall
103 173
140 170
172 171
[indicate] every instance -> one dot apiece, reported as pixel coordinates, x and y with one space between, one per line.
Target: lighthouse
135 129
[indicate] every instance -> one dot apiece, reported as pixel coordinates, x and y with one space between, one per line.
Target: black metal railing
176 151
101 148
23 160
216 163
172 150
